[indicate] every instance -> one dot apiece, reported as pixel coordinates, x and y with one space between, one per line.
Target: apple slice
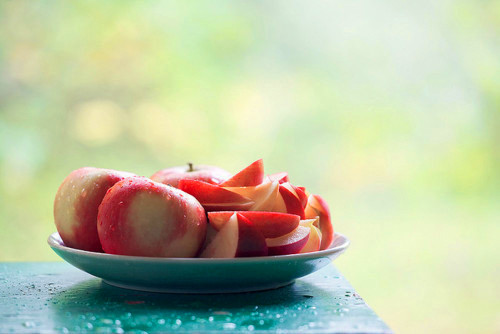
214 197
292 201
264 195
238 238
280 177
270 224
317 207
314 242
279 204
290 243
251 175
209 237
301 194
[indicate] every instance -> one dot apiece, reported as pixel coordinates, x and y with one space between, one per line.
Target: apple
209 174
252 175
301 194
317 207
214 197
290 243
141 217
210 235
292 202
238 238
314 242
280 177
270 224
279 204
264 195
76 204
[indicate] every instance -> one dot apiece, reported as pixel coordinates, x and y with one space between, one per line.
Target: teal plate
196 275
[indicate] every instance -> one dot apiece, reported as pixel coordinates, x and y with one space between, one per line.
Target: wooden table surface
56 297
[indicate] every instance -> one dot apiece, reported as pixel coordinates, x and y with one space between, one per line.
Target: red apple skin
250 241
301 194
291 243
214 197
252 175
317 207
269 224
292 202
237 238
76 204
281 177
140 217
172 176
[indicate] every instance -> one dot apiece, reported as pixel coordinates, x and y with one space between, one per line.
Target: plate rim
54 243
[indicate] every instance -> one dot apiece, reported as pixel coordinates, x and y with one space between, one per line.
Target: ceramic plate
196 275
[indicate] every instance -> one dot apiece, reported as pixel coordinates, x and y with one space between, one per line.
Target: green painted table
56 297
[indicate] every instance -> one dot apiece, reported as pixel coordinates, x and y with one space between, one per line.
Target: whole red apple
76 204
141 217
209 174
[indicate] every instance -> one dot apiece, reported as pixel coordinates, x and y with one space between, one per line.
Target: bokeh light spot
98 122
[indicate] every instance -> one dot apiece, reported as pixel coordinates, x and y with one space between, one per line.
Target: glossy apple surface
214 197
291 243
314 242
252 175
237 238
292 202
76 204
270 224
141 217
264 195
209 174
317 207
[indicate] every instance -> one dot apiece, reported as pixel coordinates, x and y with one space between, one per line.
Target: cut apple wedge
314 242
270 224
209 237
251 175
280 177
292 201
301 194
290 243
264 195
279 204
213 197
238 238
317 207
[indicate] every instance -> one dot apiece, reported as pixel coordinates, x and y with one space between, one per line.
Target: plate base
200 291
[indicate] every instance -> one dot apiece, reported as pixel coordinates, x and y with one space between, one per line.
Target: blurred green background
390 110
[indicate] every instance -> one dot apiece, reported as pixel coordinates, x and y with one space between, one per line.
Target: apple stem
190 164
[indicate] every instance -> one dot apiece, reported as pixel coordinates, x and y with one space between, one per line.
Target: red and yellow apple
292 201
76 204
317 207
264 195
237 238
206 173
141 217
248 214
290 243
314 242
214 197
252 175
280 177
270 224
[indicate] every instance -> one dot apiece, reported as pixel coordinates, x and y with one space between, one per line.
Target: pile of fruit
190 211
